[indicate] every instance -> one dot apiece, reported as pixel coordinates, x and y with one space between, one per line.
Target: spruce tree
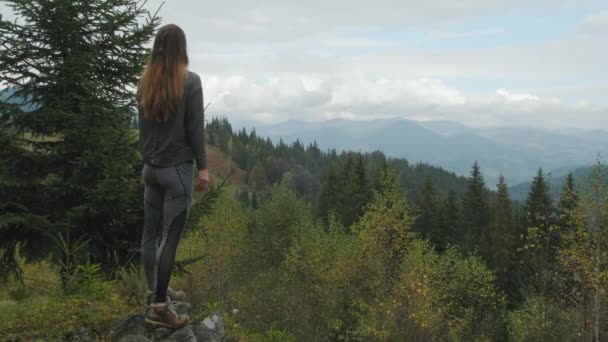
450 221
567 206
428 217
539 205
475 210
539 266
363 193
500 250
502 232
70 157
346 189
352 190
328 195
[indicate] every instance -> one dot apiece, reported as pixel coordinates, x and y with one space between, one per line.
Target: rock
135 338
185 334
131 326
84 334
134 329
210 329
26 336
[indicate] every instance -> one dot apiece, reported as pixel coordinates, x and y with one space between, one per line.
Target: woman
171 126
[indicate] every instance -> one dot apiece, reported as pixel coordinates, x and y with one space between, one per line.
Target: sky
478 62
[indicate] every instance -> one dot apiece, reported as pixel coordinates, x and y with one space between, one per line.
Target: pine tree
345 207
502 228
362 194
352 190
70 156
539 264
476 217
355 190
539 205
450 221
328 195
567 206
428 219
501 248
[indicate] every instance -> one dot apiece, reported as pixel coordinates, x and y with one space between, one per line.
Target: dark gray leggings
167 201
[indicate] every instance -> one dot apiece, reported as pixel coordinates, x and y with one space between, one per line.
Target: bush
132 285
543 320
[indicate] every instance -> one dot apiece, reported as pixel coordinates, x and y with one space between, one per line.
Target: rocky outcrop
133 329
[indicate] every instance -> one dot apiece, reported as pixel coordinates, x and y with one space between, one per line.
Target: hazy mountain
556 180
445 127
516 152
5 95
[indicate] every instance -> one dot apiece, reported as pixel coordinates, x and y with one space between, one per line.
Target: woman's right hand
203 180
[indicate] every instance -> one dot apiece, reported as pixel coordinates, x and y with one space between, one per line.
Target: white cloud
516 97
279 20
365 98
595 24
276 59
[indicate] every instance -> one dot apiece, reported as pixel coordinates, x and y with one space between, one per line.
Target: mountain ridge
514 151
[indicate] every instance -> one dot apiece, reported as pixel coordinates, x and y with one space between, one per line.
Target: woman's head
160 87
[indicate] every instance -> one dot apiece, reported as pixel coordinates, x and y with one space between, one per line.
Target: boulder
134 329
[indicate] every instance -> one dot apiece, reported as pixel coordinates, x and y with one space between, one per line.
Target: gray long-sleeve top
182 137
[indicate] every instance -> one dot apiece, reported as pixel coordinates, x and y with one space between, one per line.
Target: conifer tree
539 205
475 210
347 187
567 205
363 193
328 195
428 219
540 245
352 190
500 250
69 154
450 221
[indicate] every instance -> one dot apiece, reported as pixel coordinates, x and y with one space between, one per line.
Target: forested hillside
516 152
265 162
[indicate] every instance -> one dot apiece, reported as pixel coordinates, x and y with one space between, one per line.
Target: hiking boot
163 315
177 296
150 298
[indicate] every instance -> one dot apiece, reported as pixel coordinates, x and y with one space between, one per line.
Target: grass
41 308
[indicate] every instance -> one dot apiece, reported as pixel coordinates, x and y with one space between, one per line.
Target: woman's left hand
203 180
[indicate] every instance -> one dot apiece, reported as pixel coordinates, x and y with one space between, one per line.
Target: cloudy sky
478 62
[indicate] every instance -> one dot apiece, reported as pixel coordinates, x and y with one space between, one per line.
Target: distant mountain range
556 184
516 152
6 93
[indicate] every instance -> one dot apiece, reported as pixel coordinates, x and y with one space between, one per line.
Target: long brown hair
160 87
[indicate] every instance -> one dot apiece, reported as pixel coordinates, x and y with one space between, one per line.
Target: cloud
595 24
277 20
276 59
297 97
516 97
